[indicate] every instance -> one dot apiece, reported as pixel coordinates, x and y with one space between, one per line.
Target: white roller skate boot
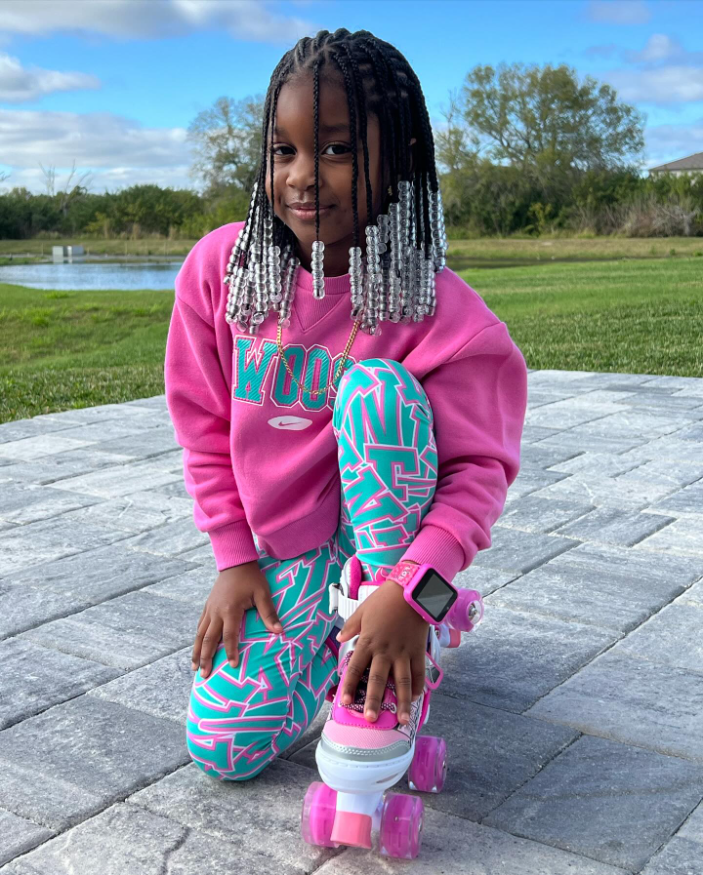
359 760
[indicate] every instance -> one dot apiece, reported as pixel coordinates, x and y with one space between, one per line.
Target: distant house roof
693 162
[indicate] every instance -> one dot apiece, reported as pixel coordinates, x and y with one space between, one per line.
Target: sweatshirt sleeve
198 399
479 400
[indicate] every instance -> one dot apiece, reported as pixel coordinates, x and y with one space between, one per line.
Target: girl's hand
236 590
392 637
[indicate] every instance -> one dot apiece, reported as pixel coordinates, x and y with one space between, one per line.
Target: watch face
434 594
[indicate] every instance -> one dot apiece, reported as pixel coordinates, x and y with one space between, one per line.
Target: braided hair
379 80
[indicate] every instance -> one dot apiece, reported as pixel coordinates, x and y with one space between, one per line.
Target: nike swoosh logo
290 423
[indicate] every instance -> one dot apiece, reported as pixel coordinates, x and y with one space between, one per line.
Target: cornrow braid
394 280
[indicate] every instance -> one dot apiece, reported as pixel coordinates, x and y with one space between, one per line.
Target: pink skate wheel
428 770
467 611
401 826
319 808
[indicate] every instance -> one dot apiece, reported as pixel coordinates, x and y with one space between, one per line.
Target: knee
218 765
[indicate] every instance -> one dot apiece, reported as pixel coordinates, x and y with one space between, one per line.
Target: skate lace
360 695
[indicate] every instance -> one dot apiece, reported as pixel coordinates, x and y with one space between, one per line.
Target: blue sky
114 84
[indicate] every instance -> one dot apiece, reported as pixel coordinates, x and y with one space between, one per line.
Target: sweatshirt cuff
440 549
233 544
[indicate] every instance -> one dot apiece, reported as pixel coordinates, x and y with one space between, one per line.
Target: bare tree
69 194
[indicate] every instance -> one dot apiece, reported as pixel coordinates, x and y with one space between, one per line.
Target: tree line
526 150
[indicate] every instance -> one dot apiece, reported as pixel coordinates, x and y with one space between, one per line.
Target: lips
309 208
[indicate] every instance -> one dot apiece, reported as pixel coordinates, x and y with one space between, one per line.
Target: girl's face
294 170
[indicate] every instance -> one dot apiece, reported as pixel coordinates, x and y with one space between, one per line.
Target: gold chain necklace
340 367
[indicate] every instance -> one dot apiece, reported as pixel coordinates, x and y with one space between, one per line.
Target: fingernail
233 663
370 715
346 698
337 635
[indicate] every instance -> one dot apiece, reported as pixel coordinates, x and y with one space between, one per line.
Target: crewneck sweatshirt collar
334 285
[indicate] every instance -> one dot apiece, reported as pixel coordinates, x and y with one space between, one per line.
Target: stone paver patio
573 715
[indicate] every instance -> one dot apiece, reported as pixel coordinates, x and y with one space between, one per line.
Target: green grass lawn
62 350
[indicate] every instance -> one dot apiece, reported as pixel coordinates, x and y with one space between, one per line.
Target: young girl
387 428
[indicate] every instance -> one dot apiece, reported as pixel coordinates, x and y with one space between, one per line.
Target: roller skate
359 760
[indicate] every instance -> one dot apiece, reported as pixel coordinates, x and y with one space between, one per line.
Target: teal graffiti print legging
240 719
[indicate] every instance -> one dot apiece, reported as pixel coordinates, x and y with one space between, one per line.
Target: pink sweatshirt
230 397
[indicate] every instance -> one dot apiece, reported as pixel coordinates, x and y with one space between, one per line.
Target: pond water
85 275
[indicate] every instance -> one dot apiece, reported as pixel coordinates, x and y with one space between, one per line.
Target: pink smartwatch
425 590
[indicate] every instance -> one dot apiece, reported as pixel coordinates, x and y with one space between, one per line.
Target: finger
230 636
403 679
418 672
351 628
267 610
357 664
195 658
211 641
376 687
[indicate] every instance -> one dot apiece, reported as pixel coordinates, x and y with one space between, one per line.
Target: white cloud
619 11
670 142
665 85
119 151
659 47
18 83
254 20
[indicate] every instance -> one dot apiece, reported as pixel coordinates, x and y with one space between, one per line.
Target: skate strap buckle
435 674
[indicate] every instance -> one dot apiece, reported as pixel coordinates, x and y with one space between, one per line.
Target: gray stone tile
42 677
672 637
119 431
675 474
513 550
19 429
31 448
585 596
688 500
193 586
533 433
693 827
606 491
125 632
171 539
122 480
590 464
530 479
267 819
667 448
610 525
677 857
632 700
545 456
18 836
102 747
490 753
127 839
635 423
53 469
23 503
96 575
565 414
510 660
137 512
693 432
453 846
47 540
532 514
23 607
485 580
682 537
161 688
604 800
44 801
593 443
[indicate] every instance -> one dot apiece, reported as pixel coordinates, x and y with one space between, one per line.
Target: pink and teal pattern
240 719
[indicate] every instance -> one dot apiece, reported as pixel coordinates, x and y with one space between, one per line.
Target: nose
301 175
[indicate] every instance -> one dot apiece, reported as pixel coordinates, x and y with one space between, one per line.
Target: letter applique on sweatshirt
258 372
